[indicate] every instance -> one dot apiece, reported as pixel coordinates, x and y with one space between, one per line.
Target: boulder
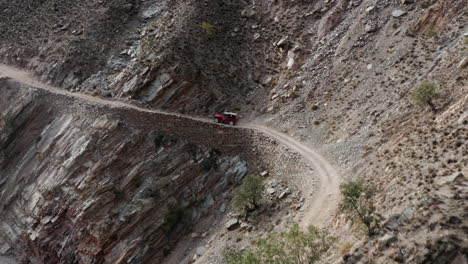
398 13
283 42
370 8
222 208
232 224
201 251
284 194
387 240
369 28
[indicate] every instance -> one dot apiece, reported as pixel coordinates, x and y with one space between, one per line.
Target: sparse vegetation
209 29
430 33
150 42
292 247
174 216
358 202
247 197
424 94
344 249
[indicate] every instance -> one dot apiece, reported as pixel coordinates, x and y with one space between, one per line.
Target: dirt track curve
326 199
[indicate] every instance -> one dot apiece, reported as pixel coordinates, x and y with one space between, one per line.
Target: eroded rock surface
78 186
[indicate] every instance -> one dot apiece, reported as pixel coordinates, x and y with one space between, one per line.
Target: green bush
209 29
248 196
424 94
358 202
174 216
292 247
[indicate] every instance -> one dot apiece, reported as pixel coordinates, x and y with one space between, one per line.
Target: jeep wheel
216 120
232 123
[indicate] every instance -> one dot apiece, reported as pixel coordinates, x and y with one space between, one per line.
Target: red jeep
226 117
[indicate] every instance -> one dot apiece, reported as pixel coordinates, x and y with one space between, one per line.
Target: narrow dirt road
319 211
327 197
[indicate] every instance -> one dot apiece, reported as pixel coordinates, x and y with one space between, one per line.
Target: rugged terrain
336 75
217 174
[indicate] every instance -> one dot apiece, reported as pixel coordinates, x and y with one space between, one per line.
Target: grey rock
130 86
248 13
158 85
408 213
222 208
283 42
246 227
151 12
398 13
387 240
370 8
284 193
369 28
271 190
232 224
256 36
291 60
209 201
393 222
201 251
106 93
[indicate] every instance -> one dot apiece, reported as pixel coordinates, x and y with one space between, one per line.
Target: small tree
247 197
358 201
424 94
209 29
292 247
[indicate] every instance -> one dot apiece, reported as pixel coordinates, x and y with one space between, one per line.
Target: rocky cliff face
63 41
79 186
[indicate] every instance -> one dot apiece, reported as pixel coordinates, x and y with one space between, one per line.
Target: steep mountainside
86 186
338 75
